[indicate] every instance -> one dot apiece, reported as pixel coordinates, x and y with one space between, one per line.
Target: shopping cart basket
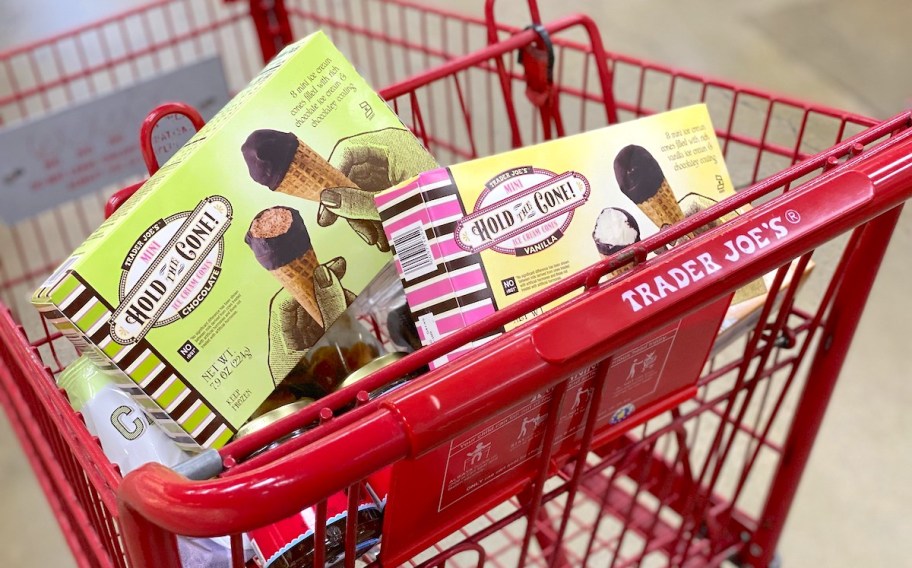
703 478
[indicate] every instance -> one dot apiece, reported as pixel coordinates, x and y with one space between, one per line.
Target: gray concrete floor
852 507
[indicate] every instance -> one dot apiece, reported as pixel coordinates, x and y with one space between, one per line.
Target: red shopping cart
705 477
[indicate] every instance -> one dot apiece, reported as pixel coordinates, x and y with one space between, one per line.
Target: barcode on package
414 251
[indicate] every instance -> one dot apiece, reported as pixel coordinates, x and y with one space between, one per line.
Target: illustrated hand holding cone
312 295
293 325
381 159
357 207
373 161
641 179
358 167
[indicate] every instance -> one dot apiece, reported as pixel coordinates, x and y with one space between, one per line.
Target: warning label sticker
485 455
636 373
480 457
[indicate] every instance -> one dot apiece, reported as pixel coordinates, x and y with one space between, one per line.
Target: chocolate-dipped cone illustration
281 244
614 230
283 163
641 179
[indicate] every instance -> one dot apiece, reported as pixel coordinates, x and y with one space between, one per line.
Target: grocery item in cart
208 286
378 483
128 437
641 179
382 308
375 366
272 416
479 236
290 542
346 347
281 244
615 230
369 330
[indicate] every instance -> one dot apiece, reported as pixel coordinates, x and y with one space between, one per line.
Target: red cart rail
706 478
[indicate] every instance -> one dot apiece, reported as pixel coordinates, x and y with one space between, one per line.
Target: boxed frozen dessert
207 287
484 234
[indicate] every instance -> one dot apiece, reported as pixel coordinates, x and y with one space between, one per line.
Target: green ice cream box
209 285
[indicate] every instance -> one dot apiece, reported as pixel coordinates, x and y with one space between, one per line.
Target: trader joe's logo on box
522 211
171 269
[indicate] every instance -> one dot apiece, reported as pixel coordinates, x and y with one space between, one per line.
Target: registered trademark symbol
792 216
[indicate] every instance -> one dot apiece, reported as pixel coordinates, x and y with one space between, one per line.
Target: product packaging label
291 540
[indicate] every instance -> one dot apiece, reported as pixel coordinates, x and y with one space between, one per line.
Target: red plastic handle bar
419 417
147 148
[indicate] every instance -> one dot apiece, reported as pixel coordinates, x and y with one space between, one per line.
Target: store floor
852 507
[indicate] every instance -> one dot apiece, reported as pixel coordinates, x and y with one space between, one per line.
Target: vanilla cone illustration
280 242
283 163
641 179
615 229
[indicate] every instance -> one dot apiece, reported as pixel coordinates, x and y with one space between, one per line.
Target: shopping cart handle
710 266
169 109
118 199
147 148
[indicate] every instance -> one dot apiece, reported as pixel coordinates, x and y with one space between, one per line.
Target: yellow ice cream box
478 236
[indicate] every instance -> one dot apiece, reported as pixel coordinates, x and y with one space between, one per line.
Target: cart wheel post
270 18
